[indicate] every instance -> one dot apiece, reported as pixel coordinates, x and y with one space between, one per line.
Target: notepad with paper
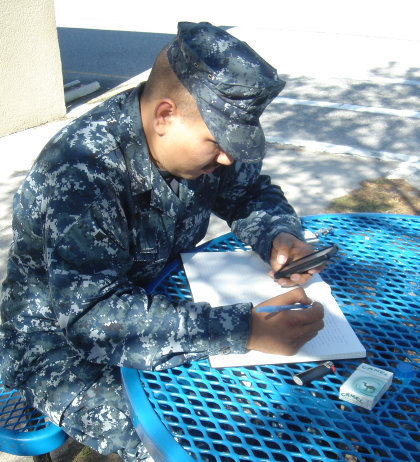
224 278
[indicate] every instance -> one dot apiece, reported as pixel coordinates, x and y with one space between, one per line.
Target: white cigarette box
366 385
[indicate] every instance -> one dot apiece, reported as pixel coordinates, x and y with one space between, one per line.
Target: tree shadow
314 176
312 180
7 192
394 132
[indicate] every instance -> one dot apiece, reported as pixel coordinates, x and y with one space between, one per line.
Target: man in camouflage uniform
112 198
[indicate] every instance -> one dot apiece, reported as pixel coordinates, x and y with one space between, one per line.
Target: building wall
31 83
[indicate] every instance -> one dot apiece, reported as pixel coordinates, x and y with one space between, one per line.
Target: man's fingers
310 315
309 331
306 336
281 259
297 295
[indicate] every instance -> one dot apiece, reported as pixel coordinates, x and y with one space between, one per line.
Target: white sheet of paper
225 278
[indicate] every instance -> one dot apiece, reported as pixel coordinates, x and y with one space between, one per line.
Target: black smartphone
306 263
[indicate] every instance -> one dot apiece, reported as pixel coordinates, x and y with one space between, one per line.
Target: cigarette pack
366 385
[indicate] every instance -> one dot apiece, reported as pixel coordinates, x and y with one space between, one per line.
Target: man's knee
100 417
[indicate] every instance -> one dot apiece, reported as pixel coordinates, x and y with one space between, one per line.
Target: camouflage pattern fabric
94 222
100 419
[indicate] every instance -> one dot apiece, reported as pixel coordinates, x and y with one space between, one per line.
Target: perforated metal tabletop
258 413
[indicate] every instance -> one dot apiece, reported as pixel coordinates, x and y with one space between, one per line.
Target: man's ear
163 116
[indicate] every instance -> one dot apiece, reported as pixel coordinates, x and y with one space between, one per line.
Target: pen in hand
276 308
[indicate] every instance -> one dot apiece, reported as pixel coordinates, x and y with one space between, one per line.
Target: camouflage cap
230 82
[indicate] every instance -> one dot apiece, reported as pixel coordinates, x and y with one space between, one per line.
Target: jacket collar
133 142
144 175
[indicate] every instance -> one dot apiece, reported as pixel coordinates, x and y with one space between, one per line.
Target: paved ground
349 111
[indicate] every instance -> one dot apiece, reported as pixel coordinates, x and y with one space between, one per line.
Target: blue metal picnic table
258 413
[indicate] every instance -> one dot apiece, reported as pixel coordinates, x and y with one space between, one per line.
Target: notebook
224 278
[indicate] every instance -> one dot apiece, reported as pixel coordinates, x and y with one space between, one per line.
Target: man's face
188 149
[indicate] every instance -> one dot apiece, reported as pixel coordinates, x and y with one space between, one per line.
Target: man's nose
224 159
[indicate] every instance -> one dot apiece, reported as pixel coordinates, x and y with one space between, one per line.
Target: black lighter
315 373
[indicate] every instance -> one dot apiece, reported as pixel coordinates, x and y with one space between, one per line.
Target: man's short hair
163 83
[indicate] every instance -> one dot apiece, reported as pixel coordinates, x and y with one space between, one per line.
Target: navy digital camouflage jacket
94 222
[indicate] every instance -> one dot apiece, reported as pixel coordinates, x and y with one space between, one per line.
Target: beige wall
31 83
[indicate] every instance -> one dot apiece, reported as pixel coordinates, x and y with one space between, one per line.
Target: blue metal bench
25 431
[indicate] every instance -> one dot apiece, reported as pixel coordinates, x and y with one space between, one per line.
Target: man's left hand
285 249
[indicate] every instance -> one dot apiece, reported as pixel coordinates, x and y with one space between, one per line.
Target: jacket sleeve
256 210
105 317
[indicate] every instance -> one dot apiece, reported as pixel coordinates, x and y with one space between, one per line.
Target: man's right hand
284 332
